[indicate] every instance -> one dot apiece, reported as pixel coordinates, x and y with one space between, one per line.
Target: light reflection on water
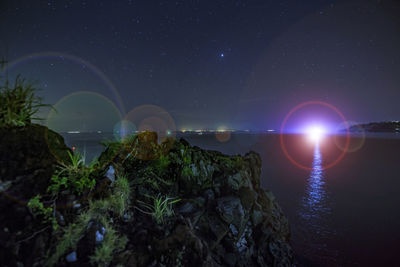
315 193
315 215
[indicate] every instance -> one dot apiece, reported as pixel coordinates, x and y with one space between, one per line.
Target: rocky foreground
140 204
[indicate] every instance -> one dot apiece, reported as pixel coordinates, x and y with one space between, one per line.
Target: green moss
111 244
119 200
101 210
69 240
117 203
187 172
161 164
45 213
186 157
234 162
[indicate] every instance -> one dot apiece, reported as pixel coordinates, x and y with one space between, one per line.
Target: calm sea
346 215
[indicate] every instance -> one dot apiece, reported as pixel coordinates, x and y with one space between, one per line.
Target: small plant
18 104
160 209
77 161
38 210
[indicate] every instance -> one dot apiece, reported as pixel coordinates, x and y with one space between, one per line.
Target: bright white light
316 133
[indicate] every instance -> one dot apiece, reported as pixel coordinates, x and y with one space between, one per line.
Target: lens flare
155 119
327 106
223 134
62 57
357 140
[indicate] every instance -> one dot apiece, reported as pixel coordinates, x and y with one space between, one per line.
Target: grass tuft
18 104
160 209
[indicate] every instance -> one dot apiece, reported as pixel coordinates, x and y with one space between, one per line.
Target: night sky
238 64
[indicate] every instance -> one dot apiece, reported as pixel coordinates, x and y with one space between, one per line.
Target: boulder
28 158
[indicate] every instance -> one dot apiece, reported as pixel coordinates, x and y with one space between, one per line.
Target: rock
28 158
111 174
216 226
209 195
188 207
231 211
71 257
100 234
257 214
236 181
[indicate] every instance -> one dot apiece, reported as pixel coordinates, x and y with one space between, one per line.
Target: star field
242 64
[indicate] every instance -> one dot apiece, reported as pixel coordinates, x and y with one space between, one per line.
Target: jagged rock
230 209
234 217
222 218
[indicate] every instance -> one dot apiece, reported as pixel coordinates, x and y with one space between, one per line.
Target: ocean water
344 215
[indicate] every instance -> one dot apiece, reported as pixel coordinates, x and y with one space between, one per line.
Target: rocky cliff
140 204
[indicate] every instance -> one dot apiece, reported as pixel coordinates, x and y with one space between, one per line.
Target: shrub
75 176
18 104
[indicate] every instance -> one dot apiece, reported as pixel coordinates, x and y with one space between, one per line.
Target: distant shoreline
377 127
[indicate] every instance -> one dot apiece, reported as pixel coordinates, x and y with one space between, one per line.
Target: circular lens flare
317 103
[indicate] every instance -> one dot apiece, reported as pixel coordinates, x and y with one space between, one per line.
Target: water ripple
315 214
